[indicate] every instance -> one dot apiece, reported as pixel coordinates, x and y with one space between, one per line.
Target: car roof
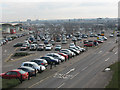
26 67
15 70
29 62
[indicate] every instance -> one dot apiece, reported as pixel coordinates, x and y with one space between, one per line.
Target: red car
64 55
100 41
88 45
13 74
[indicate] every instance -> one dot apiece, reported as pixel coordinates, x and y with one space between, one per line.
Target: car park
56 56
34 65
67 50
31 71
40 62
50 59
40 47
58 48
15 74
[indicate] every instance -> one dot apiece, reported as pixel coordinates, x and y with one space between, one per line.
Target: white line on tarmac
116 52
61 85
74 75
107 59
84 68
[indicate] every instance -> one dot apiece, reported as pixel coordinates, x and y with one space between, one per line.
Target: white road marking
84 68
116 52
107 59
61 85
100 51
70 70
74 75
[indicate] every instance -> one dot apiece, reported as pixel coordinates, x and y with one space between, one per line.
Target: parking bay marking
107 59
61 85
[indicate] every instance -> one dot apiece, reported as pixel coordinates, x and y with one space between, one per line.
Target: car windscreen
22 72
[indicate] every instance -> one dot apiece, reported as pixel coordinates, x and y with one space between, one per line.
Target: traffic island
19 55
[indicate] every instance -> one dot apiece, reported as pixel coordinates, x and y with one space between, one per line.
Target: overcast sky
14 10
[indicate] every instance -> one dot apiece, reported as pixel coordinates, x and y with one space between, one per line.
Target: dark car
30 70
50 59
46 41
18 45
9 39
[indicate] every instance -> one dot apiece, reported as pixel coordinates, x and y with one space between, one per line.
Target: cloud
56 10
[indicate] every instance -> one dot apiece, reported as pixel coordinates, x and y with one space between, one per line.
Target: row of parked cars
38 65
10 38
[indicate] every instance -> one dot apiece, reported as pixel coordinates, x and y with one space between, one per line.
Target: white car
111 35
33 47
71 45
34 65
81 49
58 47
48 47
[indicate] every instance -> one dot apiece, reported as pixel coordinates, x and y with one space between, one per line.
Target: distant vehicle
50 59
71 45
52 42
100 40
56 56
64 42
104 38
30 70
81 49
34 65
40 47
58 39
46 41
79 38
74 39
88 45
15 74
24 47
58 47
40 62
48 47
18 45
111 35
33 47
9 39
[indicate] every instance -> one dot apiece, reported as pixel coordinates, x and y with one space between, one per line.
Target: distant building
7 27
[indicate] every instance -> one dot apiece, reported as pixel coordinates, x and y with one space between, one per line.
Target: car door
7 75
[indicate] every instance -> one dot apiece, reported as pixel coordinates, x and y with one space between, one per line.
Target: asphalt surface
78 72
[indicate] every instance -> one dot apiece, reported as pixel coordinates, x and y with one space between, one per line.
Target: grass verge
115 81
9 83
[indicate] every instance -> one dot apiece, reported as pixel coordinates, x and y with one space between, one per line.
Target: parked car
33 47
58 48
52 42
31 71
71 45
75 51
46 41
40 62
81 49
48 47
24 47
56 56
64 42
67 50
34 65
9 39
89 45
15 74
79 38
64 55
111 35
40 47
100 40
104 38
50 59
18 45
74 39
